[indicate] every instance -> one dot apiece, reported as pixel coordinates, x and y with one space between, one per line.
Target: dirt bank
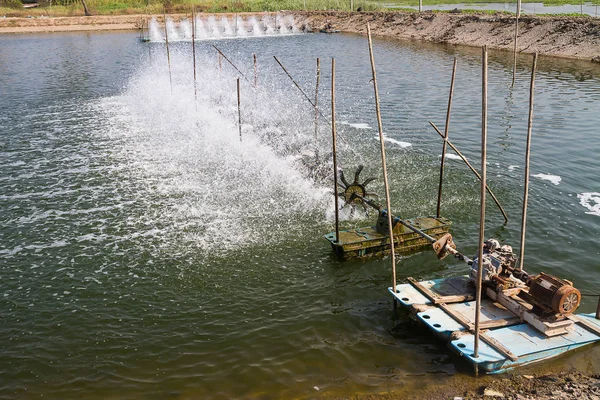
554 386
69 24
571 37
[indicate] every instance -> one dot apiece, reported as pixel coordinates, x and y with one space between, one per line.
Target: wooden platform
506 341
369 242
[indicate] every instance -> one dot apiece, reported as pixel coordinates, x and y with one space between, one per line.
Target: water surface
146 252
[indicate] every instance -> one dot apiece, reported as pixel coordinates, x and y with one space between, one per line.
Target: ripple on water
143 245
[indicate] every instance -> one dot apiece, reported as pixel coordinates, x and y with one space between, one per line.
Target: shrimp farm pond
147 252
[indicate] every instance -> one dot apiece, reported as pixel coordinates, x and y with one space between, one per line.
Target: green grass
401 3
107 7
112 7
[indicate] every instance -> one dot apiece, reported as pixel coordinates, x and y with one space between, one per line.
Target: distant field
116 7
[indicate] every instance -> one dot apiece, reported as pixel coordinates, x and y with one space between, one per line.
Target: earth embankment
571 37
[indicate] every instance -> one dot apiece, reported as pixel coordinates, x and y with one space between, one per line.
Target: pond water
146 252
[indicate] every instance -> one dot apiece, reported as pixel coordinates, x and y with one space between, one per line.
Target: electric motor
554 293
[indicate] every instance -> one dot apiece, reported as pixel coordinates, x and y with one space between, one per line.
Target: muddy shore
568 37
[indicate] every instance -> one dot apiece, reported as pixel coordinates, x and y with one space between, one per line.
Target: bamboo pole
149 41
484 82
335 171
255 71
141 28
444 147
516 39
298 86
487 188
229 61
194 53
149 38
317 99
168 53
527 154
383 162
420 5
239 109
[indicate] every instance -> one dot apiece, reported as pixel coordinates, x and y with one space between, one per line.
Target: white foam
450 156
223 28
555 179
357 125
591 201
512 167
399 143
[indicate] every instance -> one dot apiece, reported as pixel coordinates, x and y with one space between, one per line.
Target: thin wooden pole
255 72
444 147
194 52
149 41
239 109
333 134
141 28
230 63
383 162
420 5
484 82
298 86
317 99
168 53
487 188
527 154
516 39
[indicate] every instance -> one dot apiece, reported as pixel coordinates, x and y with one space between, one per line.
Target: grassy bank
14 8
57 8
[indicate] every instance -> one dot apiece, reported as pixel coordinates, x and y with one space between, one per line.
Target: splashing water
211 28
223 194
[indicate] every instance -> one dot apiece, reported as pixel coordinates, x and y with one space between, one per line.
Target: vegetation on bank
15 8
112 7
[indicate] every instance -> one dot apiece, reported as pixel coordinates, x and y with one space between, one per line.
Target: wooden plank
497 323
436 298
499 347
458 317
470 326
494 323
515 305
425 291
586 324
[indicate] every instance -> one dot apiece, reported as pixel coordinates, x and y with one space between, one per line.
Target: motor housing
555 294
